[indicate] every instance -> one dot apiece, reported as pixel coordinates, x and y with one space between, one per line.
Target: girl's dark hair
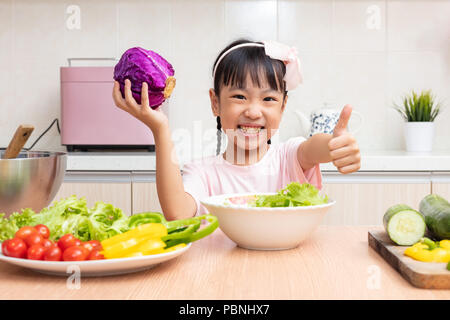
237 64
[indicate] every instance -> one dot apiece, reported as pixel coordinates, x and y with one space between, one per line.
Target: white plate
95 268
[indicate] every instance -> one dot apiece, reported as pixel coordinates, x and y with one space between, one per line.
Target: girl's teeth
250 129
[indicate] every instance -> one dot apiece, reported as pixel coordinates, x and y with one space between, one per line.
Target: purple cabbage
140 65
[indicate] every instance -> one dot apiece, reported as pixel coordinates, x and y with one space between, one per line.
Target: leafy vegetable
65 216
9 226
103 221
69 215
140 65
106 221
294 195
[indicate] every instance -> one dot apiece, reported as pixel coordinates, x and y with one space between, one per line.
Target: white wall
348 55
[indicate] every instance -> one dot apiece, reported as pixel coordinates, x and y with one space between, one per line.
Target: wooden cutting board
427 275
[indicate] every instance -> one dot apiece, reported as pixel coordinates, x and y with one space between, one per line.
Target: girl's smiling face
249 115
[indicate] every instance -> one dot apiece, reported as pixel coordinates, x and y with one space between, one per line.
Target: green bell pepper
213 225
144 218
179 231
187 230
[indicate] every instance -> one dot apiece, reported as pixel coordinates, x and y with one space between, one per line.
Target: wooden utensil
21 136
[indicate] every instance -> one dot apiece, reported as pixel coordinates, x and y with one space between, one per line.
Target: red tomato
15 247
75 253
91 245
96 244
24 232
95 255
53 253
87 246
32 239
46 243
43 230
36 252
67 241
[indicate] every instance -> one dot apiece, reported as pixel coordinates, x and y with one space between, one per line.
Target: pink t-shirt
279 166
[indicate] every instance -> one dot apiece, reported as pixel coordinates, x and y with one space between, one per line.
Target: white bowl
262 228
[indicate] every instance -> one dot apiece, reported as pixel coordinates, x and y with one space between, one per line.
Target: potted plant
419 112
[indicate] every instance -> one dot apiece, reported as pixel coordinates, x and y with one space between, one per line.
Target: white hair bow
288 55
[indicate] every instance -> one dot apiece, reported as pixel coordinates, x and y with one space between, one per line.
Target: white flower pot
419 136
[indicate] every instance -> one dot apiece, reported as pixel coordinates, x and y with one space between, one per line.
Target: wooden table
334 263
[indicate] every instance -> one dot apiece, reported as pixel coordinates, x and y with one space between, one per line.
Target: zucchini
404 225
436 211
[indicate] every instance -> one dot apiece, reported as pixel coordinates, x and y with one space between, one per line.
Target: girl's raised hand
344 150
154 119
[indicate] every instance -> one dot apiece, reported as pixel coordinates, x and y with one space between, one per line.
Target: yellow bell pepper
144 238
439 252
119 249
147 247
155 230
156 251
123 249
445 244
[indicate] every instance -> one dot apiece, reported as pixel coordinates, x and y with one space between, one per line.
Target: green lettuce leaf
70 215
65 216
276 200
294 195
105 221
9 226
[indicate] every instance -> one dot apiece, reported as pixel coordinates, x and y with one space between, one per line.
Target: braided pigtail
219 135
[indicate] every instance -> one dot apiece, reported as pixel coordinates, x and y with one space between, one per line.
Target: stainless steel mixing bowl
31 180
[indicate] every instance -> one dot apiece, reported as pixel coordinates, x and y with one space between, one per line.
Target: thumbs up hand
344 150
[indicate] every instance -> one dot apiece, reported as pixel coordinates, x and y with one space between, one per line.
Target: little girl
251 82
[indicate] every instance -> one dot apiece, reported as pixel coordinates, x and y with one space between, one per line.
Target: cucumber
404 225
436 211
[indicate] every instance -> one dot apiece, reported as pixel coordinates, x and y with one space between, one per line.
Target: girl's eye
269 99
238 96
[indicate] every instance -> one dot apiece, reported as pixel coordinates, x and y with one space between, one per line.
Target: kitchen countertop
334 263
371 161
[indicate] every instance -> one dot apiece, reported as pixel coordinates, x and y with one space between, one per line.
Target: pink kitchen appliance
89 117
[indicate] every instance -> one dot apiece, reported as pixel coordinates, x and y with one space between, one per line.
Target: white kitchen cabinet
356 193
440 184
110 187
145 195
353 194
442 189
136 192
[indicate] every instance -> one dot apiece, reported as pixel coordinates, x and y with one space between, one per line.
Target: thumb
341 125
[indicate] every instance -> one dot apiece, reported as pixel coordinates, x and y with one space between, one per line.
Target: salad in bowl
294 195
270 221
